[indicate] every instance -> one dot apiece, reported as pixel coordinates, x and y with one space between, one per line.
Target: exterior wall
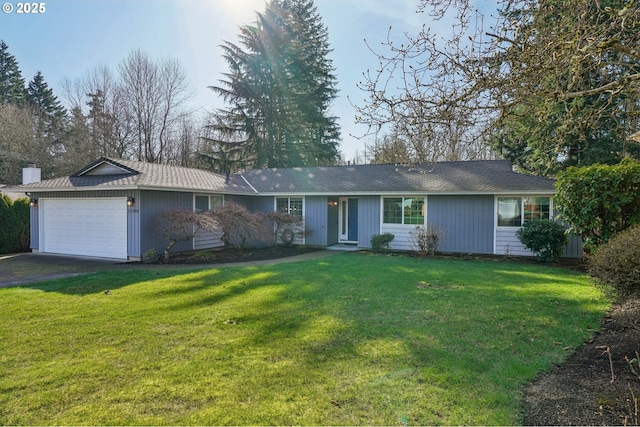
315 218
466 221
369 219
401 237
507 243
151 204
34 224
332 221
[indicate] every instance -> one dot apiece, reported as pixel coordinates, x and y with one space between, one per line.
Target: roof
470 177
110 174
484 176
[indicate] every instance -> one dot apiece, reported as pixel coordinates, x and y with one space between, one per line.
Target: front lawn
352 339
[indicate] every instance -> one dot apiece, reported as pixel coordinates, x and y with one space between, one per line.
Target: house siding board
34 224
153 203
368 219
316 217
133 228
574 248
507 243
466 221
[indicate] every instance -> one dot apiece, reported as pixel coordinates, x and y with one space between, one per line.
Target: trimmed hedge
14 225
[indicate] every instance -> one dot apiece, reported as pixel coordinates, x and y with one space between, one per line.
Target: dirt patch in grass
596 385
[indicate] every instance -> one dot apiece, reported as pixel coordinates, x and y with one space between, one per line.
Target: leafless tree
182 226
154 95
552 75
19 145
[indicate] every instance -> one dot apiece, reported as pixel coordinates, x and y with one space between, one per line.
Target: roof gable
104 166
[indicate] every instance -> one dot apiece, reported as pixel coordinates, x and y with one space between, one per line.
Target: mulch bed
228 255
595 385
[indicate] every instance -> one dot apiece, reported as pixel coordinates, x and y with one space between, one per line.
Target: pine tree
48 110
12 90
279 88
50 120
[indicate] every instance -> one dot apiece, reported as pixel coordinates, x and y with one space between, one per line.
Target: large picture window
403 210
515 211
290 205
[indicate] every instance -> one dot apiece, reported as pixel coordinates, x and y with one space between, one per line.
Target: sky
72 37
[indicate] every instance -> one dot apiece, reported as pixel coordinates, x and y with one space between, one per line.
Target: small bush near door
14 225
380 242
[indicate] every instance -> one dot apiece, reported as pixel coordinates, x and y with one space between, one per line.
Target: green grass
349 339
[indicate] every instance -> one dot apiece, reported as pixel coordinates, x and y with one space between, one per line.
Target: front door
348 222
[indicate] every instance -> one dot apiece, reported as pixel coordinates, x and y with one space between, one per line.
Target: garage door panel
87 227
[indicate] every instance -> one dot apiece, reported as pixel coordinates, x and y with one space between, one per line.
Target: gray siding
368 219
315 218
34 224
467 222
332 221
153 203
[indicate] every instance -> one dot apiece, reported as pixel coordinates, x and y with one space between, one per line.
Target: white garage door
87 227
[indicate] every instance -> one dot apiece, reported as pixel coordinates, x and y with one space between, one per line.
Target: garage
86 227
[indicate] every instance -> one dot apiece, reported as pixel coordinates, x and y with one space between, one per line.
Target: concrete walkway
26 268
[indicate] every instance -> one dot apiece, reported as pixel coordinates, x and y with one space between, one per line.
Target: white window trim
382 223
303 241
522 197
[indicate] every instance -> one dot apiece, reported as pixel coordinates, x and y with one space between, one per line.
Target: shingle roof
488 176
142 175
485 176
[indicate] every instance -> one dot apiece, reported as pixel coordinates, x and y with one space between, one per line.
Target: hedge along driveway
349 339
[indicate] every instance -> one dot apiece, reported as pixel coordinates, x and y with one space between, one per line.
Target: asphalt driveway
25 268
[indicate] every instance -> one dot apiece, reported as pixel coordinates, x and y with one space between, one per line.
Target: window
403 210
207 203
392 210
514 211
509 214
537 208
290 205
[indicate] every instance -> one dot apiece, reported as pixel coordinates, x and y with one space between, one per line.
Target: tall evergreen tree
50 120
46 107
279 88
12 86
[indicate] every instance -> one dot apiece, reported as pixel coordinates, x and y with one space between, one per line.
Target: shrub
380 242
599 201
14 225
547 239
425 239
615 266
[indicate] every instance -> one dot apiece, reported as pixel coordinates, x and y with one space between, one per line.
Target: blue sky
74 36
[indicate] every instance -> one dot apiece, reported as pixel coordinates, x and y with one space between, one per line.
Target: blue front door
348 219
353 220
